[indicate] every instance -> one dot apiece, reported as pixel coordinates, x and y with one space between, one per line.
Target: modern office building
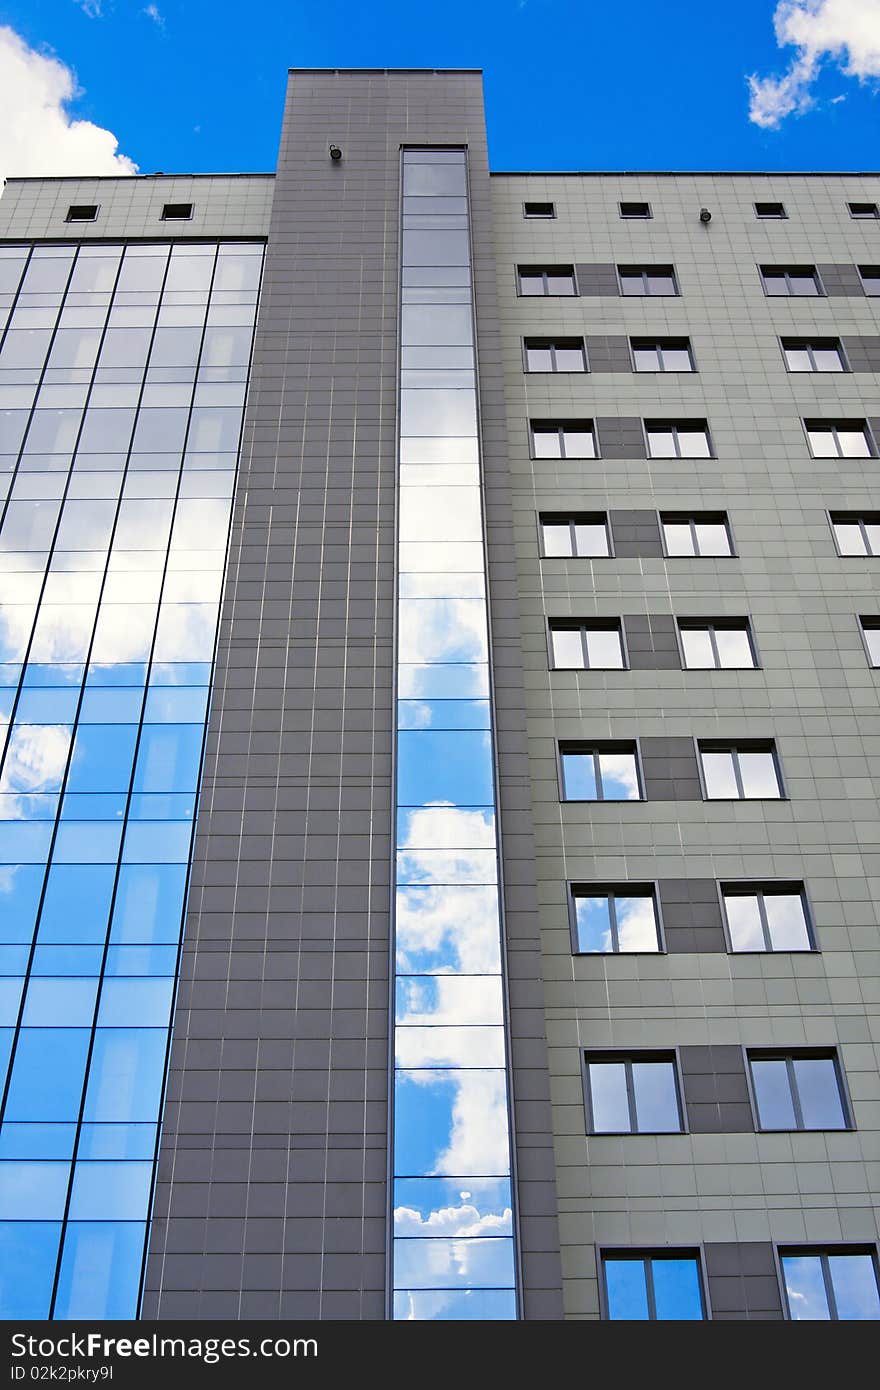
438 817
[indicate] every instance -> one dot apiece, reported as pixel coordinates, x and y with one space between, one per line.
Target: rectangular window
580 536
546 279
555 355
82 212
685 439
720 644
856 534
177 212
701 534
563 439
797 1090
647 280
813 355
795 280
839 439
861 210
871 637
662 354
615 919
870 279
766 917
539 210
772 210
600 772
835 1285
590 646
656 1286
743 772
635 1094
641 210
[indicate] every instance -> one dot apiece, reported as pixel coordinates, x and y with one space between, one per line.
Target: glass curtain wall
453 1253
123 372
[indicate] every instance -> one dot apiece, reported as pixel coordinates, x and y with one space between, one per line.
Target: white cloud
92 8
845 32
37 134
152 12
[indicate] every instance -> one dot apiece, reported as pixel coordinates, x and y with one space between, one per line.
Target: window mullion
572 537
795 1095
612 917
716 656
631 1097
597 776
740 789
648 1267
585 649
829 1288
765 922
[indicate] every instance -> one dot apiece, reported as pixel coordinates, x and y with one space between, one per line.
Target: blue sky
187 85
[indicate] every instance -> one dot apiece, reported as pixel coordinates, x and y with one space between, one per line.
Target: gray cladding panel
743 1283
621 437
840 279
863 352
651 642
670 770
716 1092
636 534
608 352
691 913
598 279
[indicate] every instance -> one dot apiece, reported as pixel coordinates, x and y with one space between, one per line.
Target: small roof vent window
770 210
177 212
635 209
82 212
539 210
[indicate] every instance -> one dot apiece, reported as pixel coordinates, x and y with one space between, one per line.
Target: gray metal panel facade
815 694
271 1196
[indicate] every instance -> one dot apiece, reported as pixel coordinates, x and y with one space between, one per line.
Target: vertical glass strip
123 373
453 1253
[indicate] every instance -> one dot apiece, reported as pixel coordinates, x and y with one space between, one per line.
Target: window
797 1090
635 1094
701 534
563 439
662 354
600 772
616 919
813 355
770 210
82 212
871 638
581 536
790 280
545 280
177 212
855 534
685 439
838 439
771 917
745 772
555 355
721 644
628 210
838 1284
861 210
539 209
870 279
590 646
654 1285
647 280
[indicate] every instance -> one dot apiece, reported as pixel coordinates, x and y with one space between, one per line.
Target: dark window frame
169 213
690 519
627 1055
870 214
583 626
782 1248
560 427
645 271
854 518
530 215
551 345
869 622
834 427
646 1254
808 345
612 890
745 745
631 216
545 272
872 273
572 520
765 216
787 271
789 1055
746 888
710 624
639 343
91 208
673 427
582 747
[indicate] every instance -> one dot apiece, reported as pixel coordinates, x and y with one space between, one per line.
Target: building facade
438 808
